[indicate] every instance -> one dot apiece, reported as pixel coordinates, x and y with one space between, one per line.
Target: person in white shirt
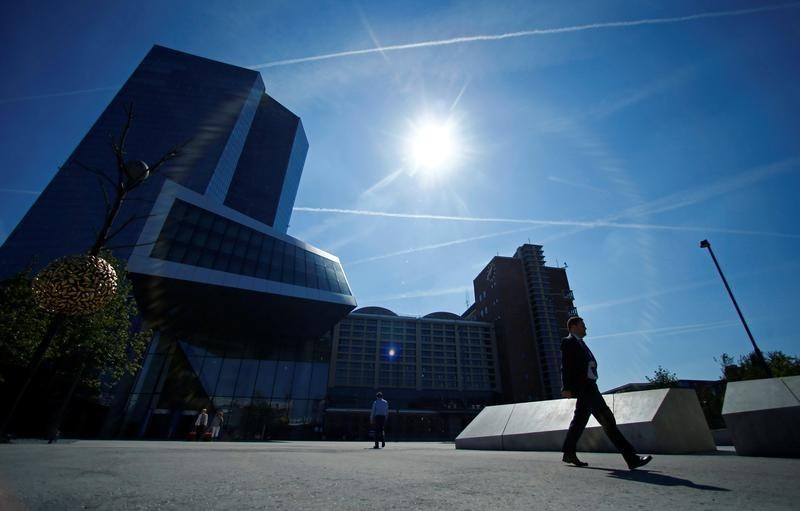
378 416
200 424
579 377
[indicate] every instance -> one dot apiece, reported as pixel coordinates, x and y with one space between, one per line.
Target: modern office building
529 304
238 306
437 372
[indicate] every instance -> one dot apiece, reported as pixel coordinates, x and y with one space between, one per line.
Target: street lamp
759 355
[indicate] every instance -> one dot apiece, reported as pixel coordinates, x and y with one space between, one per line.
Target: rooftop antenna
466 298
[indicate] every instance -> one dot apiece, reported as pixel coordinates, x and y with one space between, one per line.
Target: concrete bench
763 416
668 421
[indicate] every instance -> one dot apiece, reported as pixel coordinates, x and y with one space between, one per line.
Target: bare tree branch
105 196
172 153
136 199
119 148
125 224
113 247
95 171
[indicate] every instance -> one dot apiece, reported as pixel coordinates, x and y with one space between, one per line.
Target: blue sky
616 134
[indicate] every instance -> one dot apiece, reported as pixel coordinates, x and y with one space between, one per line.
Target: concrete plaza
346 475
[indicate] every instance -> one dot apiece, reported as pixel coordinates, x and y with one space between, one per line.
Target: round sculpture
136 170
75 285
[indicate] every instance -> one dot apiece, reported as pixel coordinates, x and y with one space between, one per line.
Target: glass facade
269 169
426 354
437 372
223 341
195 236
176 98
274 390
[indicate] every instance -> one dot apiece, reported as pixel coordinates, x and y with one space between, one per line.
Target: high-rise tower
529 304
205 241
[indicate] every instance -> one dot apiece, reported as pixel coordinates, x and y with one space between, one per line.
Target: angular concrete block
549 418
763 416
654 421
486 429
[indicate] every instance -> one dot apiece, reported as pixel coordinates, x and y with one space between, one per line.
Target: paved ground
343 475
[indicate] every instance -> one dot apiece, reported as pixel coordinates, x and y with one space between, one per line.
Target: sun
432 145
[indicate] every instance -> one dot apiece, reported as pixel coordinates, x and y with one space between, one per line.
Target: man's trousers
380 422
591 402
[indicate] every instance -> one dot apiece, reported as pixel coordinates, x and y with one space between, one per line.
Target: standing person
200 424
378 415
579 377
216 424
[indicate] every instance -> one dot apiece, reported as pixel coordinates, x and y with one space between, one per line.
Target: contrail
527 33
777 268
25 192
467 39
639 298
669 202
420 294
436 245
685 198
58 94
550 223
672 330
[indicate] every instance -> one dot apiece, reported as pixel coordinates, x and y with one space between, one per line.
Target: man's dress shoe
638 461
573 459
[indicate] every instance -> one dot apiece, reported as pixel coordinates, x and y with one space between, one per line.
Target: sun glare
432 145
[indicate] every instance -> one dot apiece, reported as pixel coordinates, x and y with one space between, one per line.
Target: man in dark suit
579 378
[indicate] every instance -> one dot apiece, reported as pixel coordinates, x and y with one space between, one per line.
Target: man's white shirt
379 407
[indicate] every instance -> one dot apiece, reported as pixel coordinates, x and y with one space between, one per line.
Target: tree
22 323
748 367
128 175
662 378
89 354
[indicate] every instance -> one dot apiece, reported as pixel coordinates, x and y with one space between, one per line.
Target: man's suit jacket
574 365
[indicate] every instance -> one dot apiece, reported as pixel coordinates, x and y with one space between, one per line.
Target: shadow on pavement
645 476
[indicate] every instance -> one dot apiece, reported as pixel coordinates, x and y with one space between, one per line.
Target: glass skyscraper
238 306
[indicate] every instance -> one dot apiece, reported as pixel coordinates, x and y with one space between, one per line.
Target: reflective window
302 380
194 236
209 373
247 378
153 371
283 380
319 381
227 377
300 412
265 379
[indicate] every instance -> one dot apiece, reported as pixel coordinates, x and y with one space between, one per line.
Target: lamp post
759 356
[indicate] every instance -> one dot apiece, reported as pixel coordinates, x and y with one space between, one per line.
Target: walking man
579 379
378 415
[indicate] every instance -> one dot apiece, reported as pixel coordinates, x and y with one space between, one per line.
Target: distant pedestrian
200 424
216 424
378 416
579 377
